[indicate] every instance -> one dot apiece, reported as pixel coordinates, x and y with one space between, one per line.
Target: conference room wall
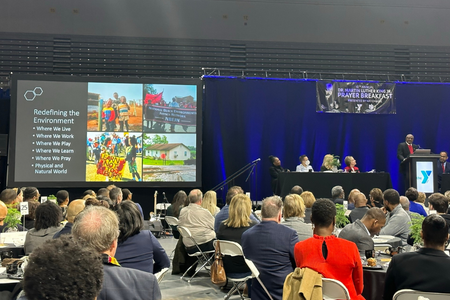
399 22
246 119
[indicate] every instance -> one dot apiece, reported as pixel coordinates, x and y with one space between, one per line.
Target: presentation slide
79 132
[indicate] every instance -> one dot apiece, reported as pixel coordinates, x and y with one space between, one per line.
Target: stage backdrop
246 119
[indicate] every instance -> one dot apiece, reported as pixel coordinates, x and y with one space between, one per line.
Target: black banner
171 115
355 97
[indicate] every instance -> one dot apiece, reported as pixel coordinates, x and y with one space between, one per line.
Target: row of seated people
276 249
114 229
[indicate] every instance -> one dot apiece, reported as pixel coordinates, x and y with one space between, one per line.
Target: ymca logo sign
426 176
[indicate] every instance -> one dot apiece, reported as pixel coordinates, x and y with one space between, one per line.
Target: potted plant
341 219
12 220
335 163
416 228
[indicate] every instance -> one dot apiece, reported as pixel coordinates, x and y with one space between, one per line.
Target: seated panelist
351 165
304 165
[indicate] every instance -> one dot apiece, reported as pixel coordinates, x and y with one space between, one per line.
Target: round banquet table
373 284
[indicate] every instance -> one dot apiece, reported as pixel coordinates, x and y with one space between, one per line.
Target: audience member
308 199
62 199
232 229
296 189
126 194
439 203
103 192
107 200
63 269
174 209
19 197
9 197
115 194
362 230
48 218
31 194
293 214
177 204
270 246
360 207
404 202
89 193
223 214
98 227
138 248
110 187
398 220
447 194
31 217
324 252
95 202
74 208
376 198
337 194
351 199
200 223
426 269
210 202
412 194
421 200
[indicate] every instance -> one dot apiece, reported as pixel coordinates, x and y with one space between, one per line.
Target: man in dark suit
443 167
361 231
425 270
403 151
270 246
98 227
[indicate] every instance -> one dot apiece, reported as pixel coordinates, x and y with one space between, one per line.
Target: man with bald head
404 150
360 208
200 223
74 208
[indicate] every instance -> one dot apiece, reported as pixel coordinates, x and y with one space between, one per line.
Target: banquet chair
255 274
228 248
204 258
407 294
173 223
334 289
160 275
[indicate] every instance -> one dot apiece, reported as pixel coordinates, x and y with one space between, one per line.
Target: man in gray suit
361 231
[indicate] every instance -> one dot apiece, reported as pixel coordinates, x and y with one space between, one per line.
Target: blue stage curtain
246 119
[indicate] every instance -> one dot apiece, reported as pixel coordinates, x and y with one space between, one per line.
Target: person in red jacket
330 256
351 165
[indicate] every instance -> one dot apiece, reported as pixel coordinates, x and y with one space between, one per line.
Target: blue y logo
426 176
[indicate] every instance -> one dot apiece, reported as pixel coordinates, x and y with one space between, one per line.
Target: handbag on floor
218 276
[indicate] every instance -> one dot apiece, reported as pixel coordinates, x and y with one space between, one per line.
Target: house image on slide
177 151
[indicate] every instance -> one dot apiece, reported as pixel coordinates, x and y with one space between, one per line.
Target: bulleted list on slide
51 131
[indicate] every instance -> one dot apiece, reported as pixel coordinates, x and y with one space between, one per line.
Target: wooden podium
421 172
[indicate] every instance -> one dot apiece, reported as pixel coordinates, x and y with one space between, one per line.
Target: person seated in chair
200 223
328 255
425 270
